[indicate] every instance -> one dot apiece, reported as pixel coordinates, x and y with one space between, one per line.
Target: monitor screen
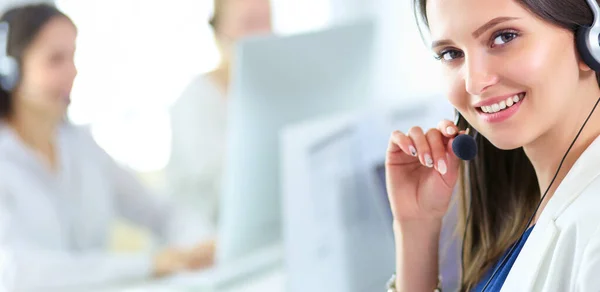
449 243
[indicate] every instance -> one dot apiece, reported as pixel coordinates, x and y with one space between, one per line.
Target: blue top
501 275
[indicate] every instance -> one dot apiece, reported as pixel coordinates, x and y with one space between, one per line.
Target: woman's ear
583 66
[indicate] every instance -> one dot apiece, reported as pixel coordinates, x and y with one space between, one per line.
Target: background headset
587 40
9 67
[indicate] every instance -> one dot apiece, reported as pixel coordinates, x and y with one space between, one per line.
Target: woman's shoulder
589 198
202 100
200 89
582 213
5 135
7 145
79 136
578 195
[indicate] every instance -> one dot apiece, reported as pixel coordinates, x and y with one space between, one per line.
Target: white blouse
199 132
54 225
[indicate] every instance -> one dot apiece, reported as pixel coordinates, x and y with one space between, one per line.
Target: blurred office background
135 57
126 46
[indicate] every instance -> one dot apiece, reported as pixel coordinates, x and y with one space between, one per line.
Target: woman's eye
503 38
450 55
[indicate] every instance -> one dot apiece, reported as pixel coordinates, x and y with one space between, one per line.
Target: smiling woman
515 74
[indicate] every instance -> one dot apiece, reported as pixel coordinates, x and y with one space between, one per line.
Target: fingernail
450 131
442 167
428 160
412 150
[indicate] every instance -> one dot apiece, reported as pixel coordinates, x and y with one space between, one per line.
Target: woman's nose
479 74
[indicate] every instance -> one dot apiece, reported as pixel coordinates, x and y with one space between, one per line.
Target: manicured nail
442 167
428 160
450 131
412 150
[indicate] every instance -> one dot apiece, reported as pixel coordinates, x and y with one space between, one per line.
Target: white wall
407 66
134 59
122 103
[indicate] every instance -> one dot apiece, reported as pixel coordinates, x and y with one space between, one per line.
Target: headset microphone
464 145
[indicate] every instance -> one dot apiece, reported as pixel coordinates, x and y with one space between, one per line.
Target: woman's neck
36 131
547 152
221 77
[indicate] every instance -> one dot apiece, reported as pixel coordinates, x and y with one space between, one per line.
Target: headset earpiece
587 39
9 68
584 39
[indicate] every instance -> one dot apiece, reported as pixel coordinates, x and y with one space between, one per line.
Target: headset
587 40
9 67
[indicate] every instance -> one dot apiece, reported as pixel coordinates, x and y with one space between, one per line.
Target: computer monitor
449 242
277 81
335 236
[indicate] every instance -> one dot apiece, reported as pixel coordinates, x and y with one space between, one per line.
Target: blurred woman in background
198 117
59 191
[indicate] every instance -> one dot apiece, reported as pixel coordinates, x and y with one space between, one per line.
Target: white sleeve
24 266
137 204
587 275
171 224
194 169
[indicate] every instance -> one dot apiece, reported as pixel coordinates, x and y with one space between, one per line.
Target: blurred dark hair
501 186
216 15
25 22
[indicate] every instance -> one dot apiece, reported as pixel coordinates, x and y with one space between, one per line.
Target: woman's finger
420 141
437 145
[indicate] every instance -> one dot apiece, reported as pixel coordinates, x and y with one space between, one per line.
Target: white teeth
502 104
494 108
509 101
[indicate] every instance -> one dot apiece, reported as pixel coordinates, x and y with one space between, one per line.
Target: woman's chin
57 114
506 143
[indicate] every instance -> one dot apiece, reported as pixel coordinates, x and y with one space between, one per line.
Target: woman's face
48 69
241 18
510 74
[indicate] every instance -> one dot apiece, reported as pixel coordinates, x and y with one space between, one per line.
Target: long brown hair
499 187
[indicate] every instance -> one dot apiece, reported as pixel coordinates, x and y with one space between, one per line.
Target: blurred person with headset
199 116
59 191
524 78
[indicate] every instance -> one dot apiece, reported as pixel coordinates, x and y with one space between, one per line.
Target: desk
270 281
262 271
